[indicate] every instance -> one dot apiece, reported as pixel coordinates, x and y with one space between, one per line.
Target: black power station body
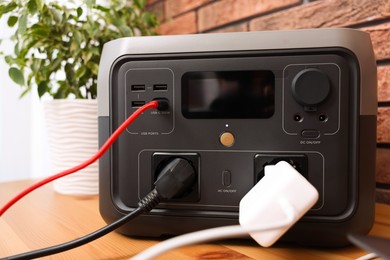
238 102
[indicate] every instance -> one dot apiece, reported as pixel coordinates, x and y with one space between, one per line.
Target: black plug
175 179
163 104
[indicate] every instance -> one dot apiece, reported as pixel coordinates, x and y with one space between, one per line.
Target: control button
310 133
310 87
226 139
226 178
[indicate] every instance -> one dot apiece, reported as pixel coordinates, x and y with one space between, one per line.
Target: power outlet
160 160
298 161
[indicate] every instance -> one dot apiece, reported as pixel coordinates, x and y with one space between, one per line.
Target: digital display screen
228 94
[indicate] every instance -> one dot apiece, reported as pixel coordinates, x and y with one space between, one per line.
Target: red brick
223 12
383 165
380 37
383 131
384 83
242 27
183 24
327 13
177 7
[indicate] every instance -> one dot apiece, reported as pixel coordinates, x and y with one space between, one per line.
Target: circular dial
310 87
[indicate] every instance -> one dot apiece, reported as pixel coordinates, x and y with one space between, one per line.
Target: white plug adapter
283 195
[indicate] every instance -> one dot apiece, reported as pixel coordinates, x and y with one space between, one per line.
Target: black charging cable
175 179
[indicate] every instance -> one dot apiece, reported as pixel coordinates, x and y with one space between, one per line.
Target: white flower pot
73 138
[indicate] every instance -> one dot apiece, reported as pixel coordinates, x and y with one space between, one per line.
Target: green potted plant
57 52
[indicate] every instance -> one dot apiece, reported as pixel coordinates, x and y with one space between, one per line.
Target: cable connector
282 194
163 104
176 178
151 200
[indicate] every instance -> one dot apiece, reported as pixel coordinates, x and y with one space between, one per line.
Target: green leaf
117 21
79 11
93 67
29 79
102 8
69 71
32 6
41 30
77 36
87 55
8 59
125 30
73 46
25 92
149 19
16 75
22 24
16 49
57 16
42 88
55 65
95 51
140 3
8 8
12 21
36 65
40 4
80 72
40 76
61 92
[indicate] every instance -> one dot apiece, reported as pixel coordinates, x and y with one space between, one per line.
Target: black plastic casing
338 153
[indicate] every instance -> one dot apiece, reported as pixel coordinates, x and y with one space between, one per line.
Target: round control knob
226 139
310 87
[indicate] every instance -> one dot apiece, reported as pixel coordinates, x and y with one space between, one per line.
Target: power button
226 139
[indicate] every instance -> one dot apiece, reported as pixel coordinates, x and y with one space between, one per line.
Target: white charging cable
368 256
206 235
267 211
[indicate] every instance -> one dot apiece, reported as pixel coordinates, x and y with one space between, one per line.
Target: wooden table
45 218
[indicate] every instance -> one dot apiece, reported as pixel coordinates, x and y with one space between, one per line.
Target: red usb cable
101 151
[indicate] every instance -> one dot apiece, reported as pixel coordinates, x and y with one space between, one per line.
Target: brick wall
372 16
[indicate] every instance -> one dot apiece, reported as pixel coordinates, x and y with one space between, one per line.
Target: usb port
160 87
137 104
137 88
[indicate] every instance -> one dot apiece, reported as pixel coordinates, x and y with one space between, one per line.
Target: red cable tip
152 104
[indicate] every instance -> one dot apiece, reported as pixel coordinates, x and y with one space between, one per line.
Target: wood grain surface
45 218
